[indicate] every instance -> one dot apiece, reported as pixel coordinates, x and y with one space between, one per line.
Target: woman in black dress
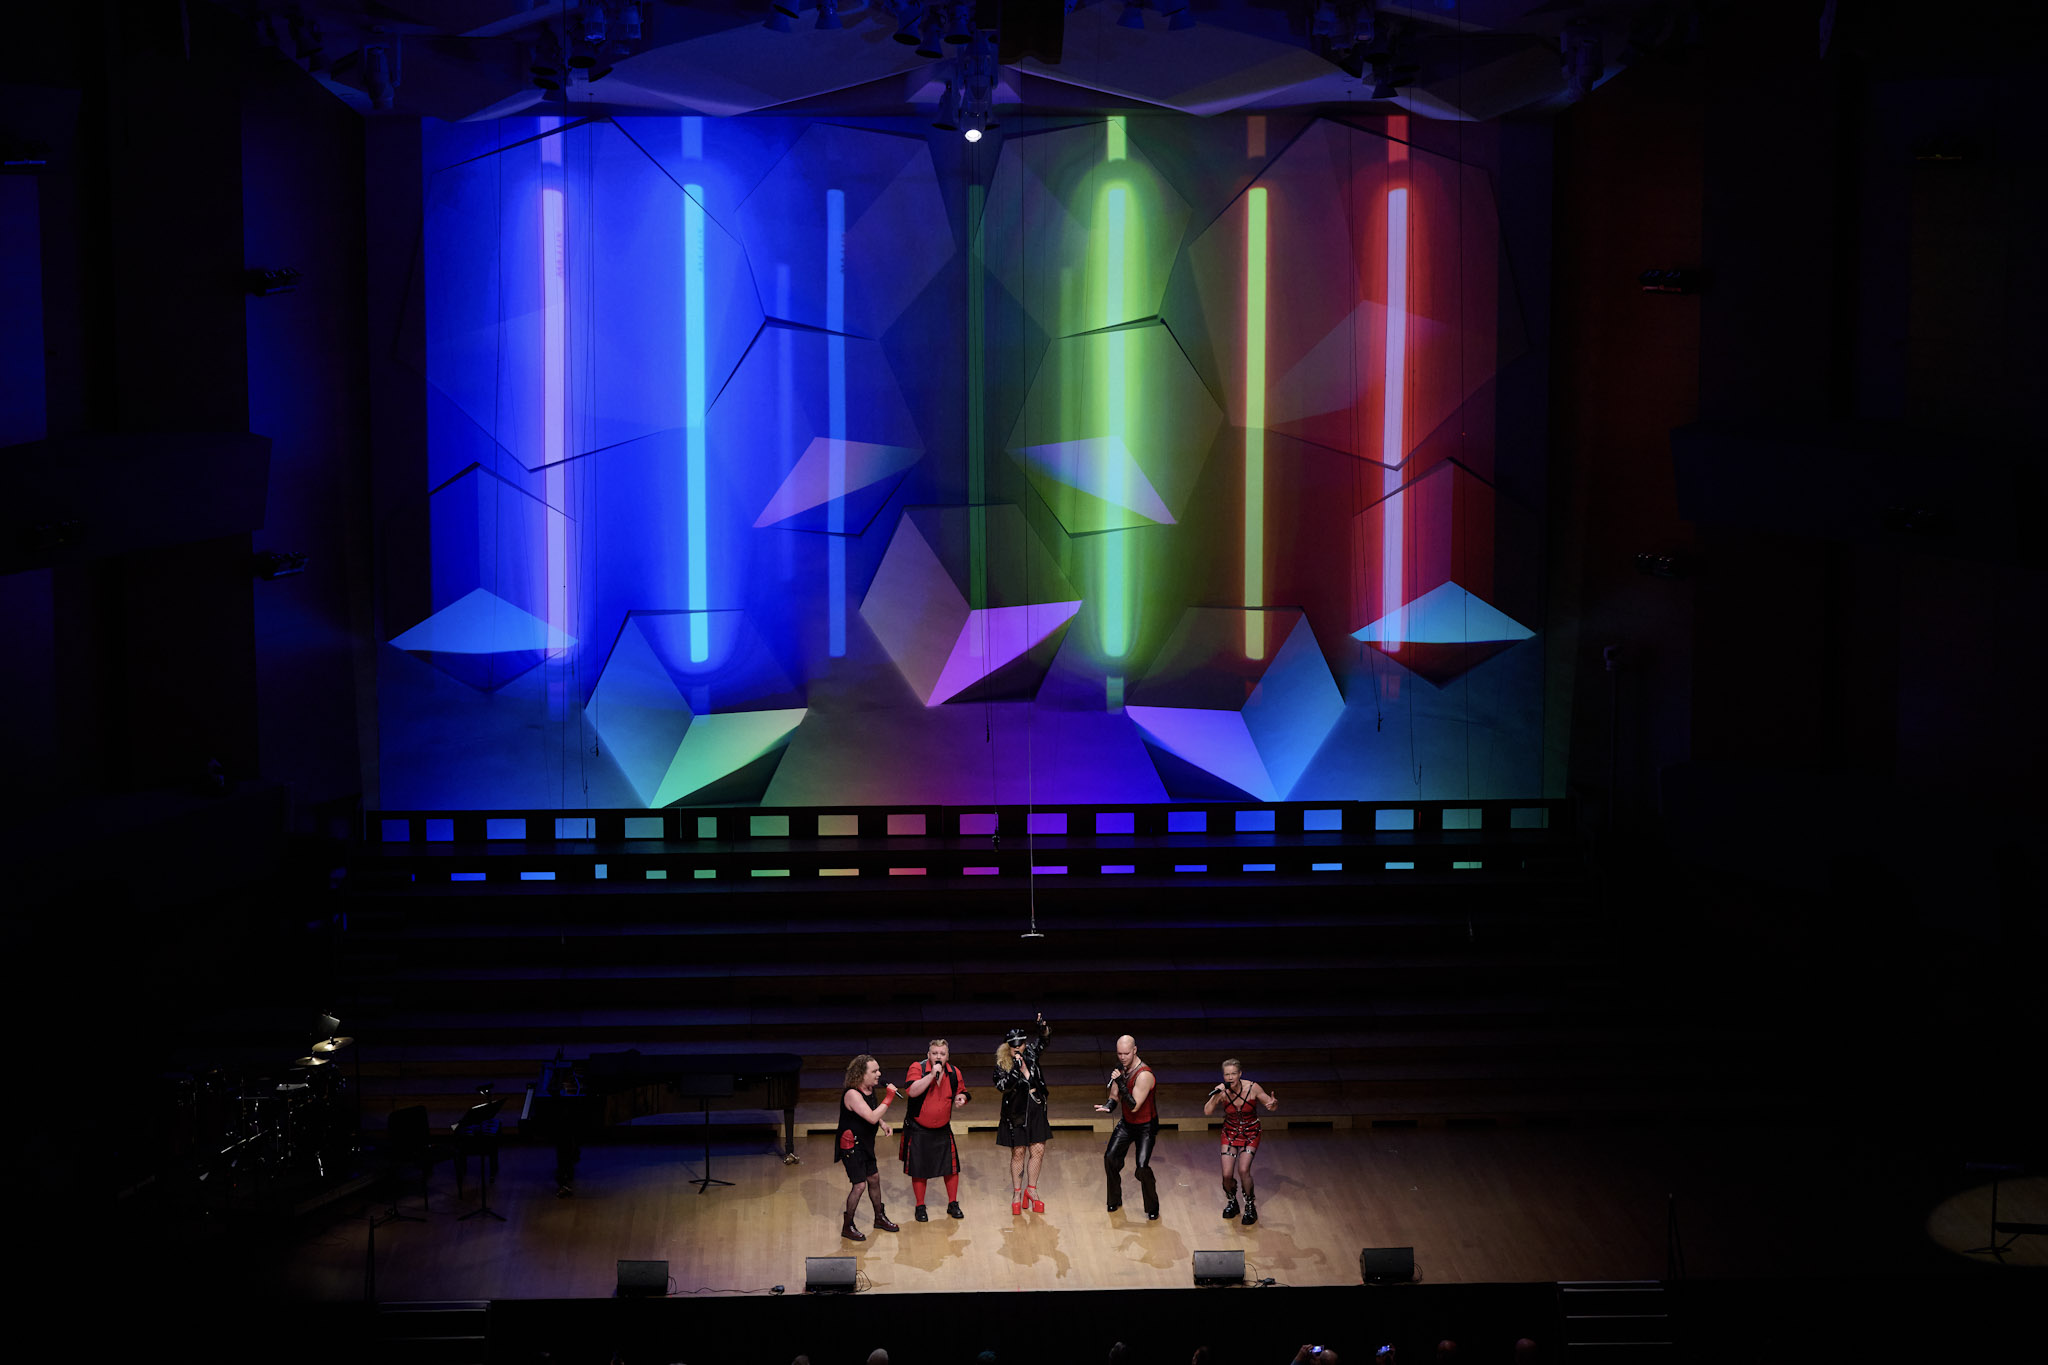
858 1123
1020 1077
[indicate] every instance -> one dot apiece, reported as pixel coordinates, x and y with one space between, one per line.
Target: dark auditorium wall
1627 197
180 153
303 207
1827 704
152 660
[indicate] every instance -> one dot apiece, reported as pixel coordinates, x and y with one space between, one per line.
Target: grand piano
575 1100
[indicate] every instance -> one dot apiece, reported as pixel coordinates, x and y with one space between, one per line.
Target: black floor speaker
642 1277
1386 1265
1219 1267
828 1274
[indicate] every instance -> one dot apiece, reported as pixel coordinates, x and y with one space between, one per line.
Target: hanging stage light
1133 15
960 28
978 86
1324 24
909 19
828 14
1365 25
930 42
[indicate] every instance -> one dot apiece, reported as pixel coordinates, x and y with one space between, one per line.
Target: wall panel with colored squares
800 462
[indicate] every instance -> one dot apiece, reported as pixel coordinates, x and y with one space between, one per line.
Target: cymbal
309 1061
327 1045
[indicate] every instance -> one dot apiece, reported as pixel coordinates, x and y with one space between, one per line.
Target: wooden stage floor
1525 1204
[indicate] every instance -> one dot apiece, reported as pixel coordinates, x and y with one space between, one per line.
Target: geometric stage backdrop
791 462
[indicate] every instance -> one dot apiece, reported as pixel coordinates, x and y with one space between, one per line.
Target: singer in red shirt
935 1090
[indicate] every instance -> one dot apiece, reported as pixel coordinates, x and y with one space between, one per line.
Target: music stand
477 1117
706 1089
1999 1171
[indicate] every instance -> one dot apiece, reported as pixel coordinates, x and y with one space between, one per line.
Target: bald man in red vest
1132 1088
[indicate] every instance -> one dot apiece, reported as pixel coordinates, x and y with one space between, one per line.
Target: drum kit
269 1126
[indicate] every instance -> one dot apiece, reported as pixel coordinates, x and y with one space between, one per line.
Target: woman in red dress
1240 1100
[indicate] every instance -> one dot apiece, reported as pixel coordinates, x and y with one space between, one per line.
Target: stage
1478 1206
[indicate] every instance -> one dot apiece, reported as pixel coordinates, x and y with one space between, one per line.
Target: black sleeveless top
855 1132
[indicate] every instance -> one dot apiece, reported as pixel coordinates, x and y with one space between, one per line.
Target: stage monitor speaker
642 1277
828 1274
1219 1267
1386 1265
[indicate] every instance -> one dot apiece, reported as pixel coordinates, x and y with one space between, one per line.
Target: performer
928 1148
858 1121
1027 1124
1131 1088
1240 1099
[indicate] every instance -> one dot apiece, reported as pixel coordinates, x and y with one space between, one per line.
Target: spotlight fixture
381 71
593 25
1133 15
1663 566
1579 50
1365 24
1178 20
308 43
778 22
978 86
1673 281
828 15
790 8
1324 24
271 565
545 63
909 19
264 283
629 22
960 28
930 43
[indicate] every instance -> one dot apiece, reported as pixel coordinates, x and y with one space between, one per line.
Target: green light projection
1047 226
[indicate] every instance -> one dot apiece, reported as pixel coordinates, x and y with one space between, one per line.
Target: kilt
928 1152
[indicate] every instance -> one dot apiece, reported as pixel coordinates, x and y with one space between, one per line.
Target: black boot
953 1209
882 1223
922 1216
852 1233
1229 1199
1251 1210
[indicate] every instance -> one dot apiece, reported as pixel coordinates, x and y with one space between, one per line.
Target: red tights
952 1188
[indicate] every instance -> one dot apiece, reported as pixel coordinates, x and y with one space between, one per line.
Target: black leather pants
1121 1139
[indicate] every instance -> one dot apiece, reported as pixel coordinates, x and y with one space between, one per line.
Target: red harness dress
1240 1120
